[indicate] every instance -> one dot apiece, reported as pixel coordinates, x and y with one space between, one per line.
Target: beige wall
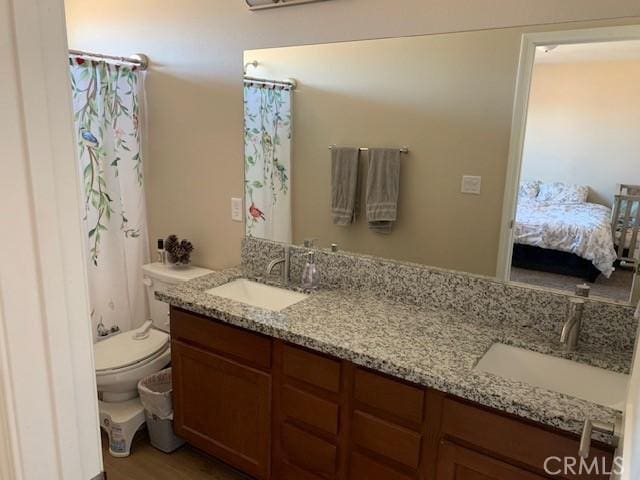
448 97
584 126
195 163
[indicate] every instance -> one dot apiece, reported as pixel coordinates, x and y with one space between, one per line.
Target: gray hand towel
383 185
344 184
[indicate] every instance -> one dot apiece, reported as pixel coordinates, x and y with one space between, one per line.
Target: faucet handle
310 242
583 290
587 432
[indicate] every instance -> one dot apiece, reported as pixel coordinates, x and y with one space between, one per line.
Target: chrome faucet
571 327
284 265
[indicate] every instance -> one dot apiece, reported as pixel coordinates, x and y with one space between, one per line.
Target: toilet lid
123 350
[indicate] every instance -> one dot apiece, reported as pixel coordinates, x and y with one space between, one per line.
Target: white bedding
583 229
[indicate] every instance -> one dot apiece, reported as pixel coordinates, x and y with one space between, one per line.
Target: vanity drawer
386 439
511 438
390 396
308 451
363 467
311 368
291 472
213 335
305 407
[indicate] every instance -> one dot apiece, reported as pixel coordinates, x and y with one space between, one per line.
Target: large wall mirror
400 148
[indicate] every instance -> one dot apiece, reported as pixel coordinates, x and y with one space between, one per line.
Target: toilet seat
124 351
133 366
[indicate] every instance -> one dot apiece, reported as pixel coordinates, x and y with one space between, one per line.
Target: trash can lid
123 350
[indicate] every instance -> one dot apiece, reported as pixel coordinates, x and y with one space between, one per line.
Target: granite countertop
429 347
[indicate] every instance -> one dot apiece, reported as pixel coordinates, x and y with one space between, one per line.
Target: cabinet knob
147 281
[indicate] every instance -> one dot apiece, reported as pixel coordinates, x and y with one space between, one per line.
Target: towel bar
366 149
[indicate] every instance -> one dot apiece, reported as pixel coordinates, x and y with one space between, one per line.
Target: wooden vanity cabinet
309 400
459 463
496 438
280 411
388 429
222 391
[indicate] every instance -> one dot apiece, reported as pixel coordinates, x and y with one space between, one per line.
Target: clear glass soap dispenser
310 276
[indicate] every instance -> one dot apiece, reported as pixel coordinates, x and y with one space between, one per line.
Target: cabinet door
222 407
457 463
520 442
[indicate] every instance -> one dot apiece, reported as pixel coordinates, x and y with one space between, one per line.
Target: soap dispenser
162 254
310 276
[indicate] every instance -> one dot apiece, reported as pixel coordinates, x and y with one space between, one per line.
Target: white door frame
519 120
49 427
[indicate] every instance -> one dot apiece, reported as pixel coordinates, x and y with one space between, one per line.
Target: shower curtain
267 162
106 105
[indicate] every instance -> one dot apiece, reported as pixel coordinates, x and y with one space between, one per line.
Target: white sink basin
258 294
557 374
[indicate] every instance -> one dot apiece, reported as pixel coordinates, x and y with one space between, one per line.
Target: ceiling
590 52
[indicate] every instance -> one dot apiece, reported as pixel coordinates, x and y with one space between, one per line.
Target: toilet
122 360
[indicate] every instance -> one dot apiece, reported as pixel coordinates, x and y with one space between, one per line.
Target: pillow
559 192
529 189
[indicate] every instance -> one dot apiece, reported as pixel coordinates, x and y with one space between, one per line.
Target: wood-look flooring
147 463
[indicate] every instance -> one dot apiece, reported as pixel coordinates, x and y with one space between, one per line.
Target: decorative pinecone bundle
178 251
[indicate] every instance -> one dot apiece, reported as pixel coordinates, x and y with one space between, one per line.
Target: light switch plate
471 184
236 209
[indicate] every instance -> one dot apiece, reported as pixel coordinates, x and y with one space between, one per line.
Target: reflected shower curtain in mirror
106 105
267 162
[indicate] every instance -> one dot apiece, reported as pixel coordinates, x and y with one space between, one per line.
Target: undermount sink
594 384
258 294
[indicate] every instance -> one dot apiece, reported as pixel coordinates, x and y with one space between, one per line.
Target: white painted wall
583 126
49 421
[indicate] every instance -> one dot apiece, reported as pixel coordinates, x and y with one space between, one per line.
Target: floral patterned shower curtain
106 104
267 143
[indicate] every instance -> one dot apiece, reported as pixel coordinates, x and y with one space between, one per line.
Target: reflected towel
383 186
344 184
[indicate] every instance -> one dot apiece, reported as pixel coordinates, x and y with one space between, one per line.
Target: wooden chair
625 225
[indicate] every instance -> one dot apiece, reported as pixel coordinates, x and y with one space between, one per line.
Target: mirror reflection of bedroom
578 215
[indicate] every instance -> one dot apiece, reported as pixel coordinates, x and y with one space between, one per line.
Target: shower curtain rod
139 60
278 83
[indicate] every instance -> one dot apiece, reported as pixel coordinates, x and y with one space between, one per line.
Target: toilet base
121 421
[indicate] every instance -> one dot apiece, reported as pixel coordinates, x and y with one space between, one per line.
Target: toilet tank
157 277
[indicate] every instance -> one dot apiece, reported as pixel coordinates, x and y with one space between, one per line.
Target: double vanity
600 386
392 371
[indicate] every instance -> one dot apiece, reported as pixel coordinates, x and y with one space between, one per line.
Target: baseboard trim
100 476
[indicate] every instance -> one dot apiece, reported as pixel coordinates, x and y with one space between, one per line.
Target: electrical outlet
236 209
471 184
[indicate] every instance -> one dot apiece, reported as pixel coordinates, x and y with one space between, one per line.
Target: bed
557 230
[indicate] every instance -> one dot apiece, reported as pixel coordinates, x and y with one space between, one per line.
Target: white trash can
155 395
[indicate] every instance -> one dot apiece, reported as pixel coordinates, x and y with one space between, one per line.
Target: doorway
572 213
